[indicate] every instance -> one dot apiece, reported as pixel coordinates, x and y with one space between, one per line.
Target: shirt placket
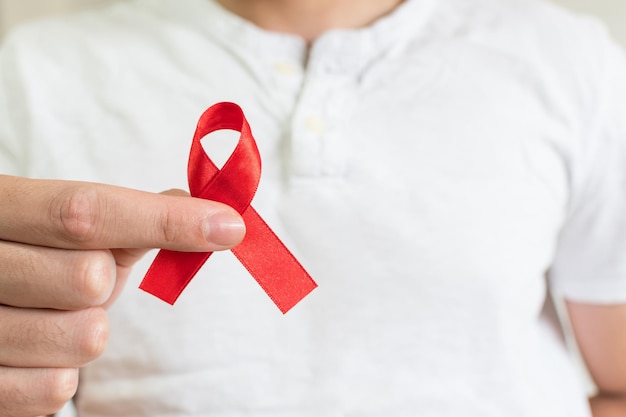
319 131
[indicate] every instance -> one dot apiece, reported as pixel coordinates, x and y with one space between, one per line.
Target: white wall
613 12
13 12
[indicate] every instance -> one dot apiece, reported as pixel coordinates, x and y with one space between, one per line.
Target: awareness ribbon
261 252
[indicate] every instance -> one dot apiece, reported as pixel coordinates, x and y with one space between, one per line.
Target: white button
286 68
314 124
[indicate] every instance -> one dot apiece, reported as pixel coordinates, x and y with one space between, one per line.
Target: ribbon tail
271 264
171 272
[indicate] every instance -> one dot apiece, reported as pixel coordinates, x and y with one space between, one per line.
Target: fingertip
224 228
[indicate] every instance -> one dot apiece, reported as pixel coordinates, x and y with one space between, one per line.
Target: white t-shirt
429 171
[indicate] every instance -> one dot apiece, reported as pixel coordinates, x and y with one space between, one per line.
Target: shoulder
536 30
568 56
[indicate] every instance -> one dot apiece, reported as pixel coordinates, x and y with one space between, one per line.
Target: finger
125 259
33 338
95 216
176 192
30 392
40 277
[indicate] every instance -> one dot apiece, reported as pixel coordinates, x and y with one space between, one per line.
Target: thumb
175 192
78 215
126 258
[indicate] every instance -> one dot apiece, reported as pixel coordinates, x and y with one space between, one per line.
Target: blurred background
13 12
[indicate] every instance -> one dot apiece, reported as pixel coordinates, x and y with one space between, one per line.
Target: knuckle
59 387
75 213
95 277
92 337
170 226
32 391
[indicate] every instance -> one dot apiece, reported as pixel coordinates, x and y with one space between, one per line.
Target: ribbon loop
236 183
262 253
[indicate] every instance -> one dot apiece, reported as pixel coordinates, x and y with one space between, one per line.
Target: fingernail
224 228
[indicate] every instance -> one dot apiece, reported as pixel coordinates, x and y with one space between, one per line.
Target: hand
66 249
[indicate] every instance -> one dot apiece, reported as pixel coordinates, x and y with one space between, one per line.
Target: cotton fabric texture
430 172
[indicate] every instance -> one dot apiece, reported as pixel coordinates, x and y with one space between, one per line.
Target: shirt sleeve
590 258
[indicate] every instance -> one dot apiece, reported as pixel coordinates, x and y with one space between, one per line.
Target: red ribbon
262 253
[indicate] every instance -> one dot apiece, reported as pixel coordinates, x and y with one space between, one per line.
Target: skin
600 331
310 18
66 249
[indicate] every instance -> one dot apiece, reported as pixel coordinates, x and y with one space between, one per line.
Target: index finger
80 215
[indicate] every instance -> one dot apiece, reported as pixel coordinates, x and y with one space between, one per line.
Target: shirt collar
336 50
